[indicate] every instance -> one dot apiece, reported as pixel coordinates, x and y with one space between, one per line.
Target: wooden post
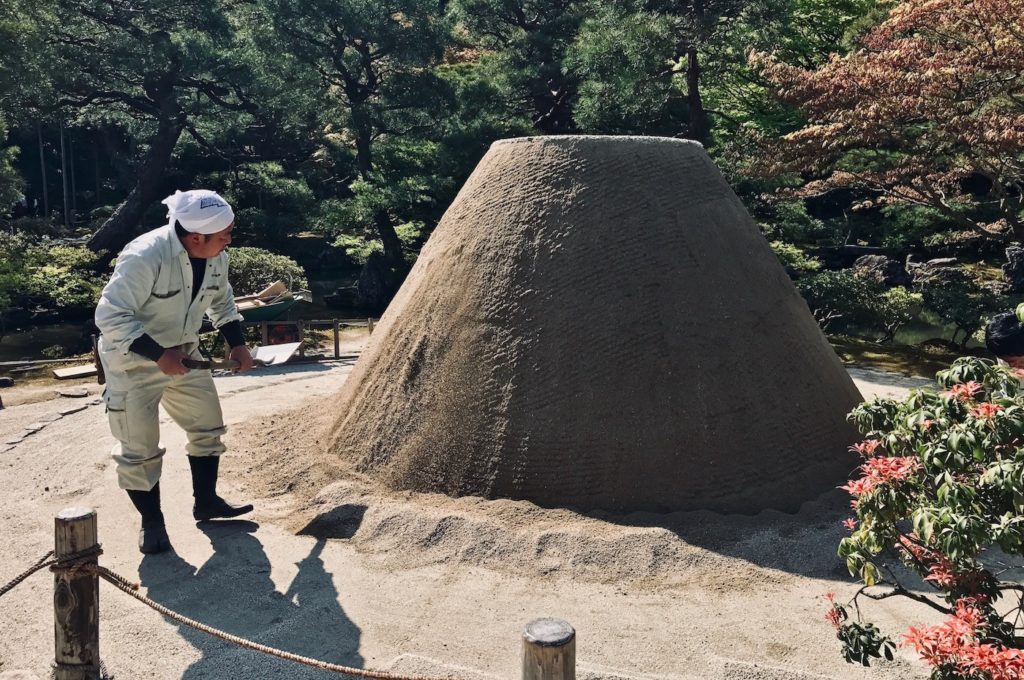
369 324
264 334
76 600
549 650
337 340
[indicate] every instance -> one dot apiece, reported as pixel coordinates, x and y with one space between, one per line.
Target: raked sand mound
597 323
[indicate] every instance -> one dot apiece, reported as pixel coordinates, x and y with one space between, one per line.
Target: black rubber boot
204 487
153 535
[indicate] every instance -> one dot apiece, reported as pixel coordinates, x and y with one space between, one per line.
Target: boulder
882 270
1013 270
940 271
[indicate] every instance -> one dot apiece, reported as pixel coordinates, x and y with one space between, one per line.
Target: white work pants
133 399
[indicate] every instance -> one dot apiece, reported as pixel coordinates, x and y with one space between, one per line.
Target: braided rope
71 562
41 563
131 588
81 562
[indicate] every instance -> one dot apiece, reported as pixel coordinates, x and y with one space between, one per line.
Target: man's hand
170 362
242 356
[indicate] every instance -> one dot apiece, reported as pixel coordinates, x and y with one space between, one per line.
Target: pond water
42 342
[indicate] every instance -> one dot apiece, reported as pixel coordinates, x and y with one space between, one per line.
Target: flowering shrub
941 490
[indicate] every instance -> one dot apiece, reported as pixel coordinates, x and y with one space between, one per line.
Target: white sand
423 583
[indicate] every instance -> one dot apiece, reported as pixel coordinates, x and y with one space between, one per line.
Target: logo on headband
211 202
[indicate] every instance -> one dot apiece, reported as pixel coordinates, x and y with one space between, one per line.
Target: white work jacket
150 292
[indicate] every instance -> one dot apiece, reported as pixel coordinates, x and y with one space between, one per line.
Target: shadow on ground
233 592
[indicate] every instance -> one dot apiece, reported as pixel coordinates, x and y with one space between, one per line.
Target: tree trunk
123 225
698 127
364 162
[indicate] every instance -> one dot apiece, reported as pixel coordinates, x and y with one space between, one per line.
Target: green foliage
11 183
863 642
63 277
858 303
526 45
53 352
266 189
834 295
13 274
789 221
359 248
962 303
894 309
802 32
624 63
379 98
250 270
795 260
941 489
49 275
905 226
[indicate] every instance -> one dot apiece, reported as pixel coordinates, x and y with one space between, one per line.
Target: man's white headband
199 211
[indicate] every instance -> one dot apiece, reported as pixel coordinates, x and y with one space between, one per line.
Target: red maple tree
929 110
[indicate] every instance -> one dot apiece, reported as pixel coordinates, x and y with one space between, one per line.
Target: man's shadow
233 592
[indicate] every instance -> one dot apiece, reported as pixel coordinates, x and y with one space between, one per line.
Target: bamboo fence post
549 650
76 612
337 340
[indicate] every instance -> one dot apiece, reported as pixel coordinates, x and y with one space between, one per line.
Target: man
1004 337
149 316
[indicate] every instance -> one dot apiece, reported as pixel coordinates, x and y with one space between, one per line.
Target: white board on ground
276 354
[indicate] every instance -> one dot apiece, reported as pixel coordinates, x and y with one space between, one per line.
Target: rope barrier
131 589
79 562
41 563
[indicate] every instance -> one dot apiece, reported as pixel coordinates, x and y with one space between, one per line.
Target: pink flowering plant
940 493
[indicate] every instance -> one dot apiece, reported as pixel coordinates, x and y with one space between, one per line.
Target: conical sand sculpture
598 323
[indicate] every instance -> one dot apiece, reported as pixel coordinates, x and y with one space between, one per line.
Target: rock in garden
73 392
598 323
6 381
940 271
882 270
1013 269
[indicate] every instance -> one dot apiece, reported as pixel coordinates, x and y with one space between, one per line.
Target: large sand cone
597 322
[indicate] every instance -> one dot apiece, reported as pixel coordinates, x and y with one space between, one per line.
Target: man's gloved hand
242 356
170 362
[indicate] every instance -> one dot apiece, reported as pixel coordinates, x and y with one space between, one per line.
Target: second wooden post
76 600
549 650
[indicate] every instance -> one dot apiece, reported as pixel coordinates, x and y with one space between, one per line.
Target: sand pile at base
598 323
406 529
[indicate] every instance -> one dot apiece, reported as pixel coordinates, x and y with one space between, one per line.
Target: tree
10 182
641 63
799 32
154 67
929 111
940 493
525 43
373 63
627 65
